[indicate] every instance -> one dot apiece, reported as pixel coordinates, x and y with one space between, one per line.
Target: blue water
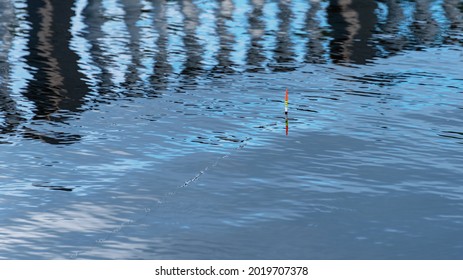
138 129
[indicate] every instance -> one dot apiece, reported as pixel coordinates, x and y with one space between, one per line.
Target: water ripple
156 129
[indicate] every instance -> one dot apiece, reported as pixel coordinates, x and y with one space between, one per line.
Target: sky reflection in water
155 129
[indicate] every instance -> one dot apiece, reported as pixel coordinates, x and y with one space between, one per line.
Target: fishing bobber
286 102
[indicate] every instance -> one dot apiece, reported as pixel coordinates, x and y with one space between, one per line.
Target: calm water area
150 129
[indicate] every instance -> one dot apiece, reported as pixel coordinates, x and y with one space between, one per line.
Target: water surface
135 129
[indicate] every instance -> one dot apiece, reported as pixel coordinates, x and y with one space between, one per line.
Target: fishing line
98 244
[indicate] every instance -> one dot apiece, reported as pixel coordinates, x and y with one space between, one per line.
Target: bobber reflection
286 111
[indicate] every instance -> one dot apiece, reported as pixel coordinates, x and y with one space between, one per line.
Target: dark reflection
454 13
94 21
316 52
255 55
51 137
284 54
352 22
193 48
10 116
425 28
162 67
57 85
224 14
133 11
389 33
